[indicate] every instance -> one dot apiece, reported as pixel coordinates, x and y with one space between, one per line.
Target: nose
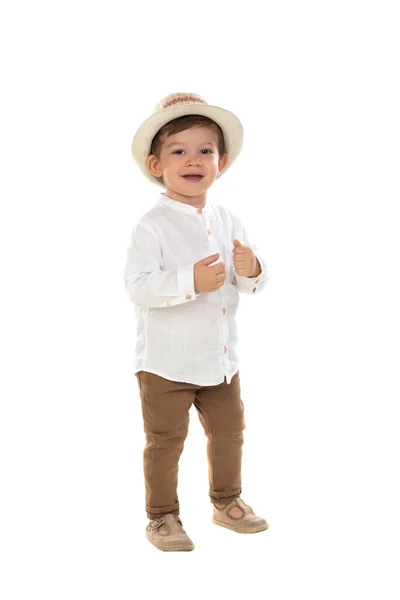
194 160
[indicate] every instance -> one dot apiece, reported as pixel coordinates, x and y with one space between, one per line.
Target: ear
223 161
153 165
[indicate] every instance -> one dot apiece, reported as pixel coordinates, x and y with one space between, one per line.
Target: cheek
212 161
172 165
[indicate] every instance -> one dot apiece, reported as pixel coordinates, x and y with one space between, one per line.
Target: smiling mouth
193 177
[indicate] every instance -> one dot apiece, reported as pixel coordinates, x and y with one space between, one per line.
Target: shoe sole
182 548
238 529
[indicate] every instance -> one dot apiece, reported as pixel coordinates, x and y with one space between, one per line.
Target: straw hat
177 105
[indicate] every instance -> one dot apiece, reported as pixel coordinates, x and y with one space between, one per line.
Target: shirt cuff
186 282
252 284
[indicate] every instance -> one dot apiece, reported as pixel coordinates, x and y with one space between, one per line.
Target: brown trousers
165 407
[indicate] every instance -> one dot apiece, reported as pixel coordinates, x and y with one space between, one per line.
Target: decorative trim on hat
178 99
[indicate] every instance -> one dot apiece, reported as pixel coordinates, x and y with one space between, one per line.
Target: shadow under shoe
166 533
247 523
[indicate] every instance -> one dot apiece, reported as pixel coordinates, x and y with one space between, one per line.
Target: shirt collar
181 206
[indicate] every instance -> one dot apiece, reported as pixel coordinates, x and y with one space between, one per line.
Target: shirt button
225 349
257 280
188 296
254 289
209 231
224 310
200 212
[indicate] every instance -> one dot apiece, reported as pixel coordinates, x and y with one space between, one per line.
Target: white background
316 85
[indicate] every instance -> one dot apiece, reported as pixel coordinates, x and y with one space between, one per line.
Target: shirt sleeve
248 285
146 283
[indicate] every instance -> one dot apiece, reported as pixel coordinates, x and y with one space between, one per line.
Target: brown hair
181 124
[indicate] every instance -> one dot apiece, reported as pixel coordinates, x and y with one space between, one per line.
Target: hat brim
231 128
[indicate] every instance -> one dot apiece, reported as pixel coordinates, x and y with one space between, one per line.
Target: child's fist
206 278
244 260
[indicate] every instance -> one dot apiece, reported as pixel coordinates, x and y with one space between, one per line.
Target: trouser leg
221 412
165 409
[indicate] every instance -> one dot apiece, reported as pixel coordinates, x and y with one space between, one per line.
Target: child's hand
245 261
206 278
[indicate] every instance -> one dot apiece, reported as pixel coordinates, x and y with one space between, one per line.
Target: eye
205 150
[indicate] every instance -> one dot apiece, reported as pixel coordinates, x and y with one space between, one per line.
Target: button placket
224 326
212 241
207 227
214 247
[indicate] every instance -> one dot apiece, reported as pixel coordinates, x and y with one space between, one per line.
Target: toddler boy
187 261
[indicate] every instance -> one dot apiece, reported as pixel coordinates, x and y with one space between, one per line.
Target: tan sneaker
167 533
247 523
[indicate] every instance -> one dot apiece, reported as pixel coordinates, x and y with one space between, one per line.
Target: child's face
193 151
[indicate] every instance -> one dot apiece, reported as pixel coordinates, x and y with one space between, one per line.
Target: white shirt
183 335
